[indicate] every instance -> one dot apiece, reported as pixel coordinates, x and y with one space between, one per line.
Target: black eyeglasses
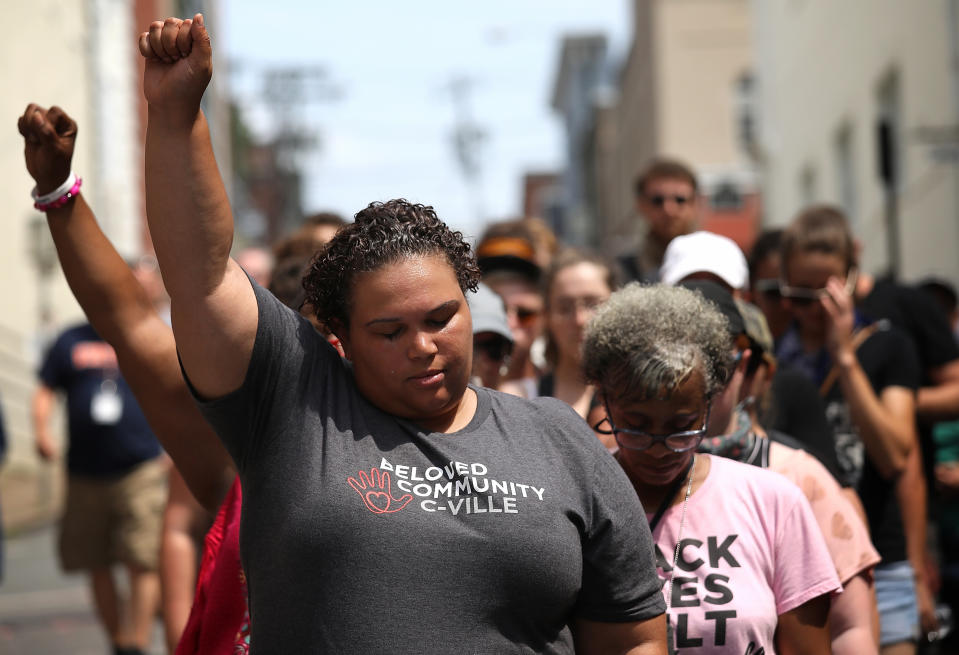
678 442
803 296
496 348
659 200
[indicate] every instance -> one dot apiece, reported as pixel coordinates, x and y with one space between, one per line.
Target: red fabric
218 619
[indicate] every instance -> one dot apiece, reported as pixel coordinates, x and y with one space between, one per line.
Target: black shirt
888 360
927 326
797 409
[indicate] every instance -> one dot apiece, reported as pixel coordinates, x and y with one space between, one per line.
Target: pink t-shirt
751 550
847 537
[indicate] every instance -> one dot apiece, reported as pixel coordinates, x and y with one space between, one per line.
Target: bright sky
389 134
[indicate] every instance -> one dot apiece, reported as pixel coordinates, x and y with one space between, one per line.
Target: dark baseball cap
722 299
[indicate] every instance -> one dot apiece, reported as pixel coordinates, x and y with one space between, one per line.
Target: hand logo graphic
375 491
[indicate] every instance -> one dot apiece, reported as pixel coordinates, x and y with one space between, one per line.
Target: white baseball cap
704 252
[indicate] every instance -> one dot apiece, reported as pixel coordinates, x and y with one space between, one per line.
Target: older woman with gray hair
744 565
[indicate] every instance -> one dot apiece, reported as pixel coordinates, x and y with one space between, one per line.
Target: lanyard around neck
670 496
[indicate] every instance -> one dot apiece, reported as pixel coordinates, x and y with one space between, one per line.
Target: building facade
578 89
858 106
81 56
676 94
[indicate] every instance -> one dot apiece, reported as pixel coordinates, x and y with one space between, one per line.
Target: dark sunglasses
770 288
659 200
678 442
803 296
525 316
496 349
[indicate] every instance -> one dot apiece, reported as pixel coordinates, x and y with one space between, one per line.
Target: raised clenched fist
49 136
179 65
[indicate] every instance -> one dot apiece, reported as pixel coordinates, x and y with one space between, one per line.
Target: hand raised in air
179 65
49 136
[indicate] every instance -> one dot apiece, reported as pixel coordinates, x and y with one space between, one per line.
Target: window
726 197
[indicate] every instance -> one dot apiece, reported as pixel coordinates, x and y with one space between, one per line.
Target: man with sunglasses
667 199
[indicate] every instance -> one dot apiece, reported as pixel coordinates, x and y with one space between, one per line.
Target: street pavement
44 612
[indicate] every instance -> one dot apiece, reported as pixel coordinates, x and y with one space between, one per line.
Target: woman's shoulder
546 418
796 464
522 388
511 402
285 329
748 480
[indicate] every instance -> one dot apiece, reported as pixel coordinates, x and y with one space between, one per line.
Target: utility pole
467 138
271 164
287 92
888 175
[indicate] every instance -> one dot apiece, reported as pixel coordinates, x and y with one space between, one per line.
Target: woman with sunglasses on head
388 506
576 284
868 375
744 565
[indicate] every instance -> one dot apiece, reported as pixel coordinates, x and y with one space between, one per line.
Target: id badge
106 408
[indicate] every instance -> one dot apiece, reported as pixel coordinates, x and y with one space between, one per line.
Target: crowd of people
381 439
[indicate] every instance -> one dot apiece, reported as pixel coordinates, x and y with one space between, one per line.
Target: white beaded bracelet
59 192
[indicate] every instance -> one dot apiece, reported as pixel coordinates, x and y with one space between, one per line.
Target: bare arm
913 502
119 310
941 401
851 618
213 307
183 522
41 408
805 630
635 638
885 422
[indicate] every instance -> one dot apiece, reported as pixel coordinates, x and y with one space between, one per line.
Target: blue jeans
896 600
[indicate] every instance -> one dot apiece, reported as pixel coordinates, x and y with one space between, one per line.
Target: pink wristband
62 200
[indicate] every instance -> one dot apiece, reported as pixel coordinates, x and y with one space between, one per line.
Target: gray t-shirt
362 533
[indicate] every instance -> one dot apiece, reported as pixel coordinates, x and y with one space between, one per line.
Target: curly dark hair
381 234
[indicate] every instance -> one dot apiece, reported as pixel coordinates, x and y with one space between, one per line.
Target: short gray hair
647 340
